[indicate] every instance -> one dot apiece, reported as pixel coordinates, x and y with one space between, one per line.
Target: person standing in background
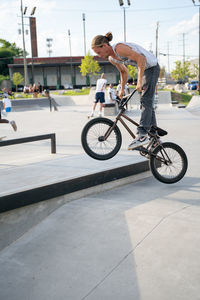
126 91
111 93
40 88
100 94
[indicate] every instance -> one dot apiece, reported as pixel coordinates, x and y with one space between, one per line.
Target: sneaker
100 115
139 141
13 124
156 143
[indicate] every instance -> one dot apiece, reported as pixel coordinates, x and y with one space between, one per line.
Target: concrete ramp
164 97
82 100
194 105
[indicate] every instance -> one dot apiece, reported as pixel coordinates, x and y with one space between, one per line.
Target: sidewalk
138 241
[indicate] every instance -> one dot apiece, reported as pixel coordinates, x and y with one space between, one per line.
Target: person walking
100 94
12 123
7 106
122 54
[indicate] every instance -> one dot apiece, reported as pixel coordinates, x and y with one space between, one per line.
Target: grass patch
182 98
73 92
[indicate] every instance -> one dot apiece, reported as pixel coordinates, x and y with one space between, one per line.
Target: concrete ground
136 241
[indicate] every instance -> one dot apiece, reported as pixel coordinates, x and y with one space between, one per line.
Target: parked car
68 87
20 88
180 81
193 85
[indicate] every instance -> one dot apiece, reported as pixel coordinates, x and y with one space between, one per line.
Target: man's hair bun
109 36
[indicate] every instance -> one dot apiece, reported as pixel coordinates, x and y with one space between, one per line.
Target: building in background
55 72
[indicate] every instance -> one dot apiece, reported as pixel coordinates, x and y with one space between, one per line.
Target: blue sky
178 25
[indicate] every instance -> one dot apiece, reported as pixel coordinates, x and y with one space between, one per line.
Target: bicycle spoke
169 169
95 133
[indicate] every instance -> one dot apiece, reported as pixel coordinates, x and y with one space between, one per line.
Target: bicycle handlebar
125 99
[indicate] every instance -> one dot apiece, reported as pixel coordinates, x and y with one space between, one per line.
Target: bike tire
173 172
93 131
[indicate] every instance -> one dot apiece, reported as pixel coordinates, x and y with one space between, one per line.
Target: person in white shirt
111 93
126 91
7 104
100 94
7 107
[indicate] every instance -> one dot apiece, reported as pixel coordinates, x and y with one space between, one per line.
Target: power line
130 10
165 54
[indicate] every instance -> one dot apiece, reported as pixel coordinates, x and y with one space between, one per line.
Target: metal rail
50 136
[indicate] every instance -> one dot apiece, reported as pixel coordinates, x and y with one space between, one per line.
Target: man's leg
148 117
3 120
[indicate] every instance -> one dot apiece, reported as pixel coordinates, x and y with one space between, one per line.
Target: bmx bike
101 139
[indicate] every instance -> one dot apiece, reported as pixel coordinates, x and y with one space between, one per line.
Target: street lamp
49 45
199 39
26 81
83 15
70 51
32 37
121 3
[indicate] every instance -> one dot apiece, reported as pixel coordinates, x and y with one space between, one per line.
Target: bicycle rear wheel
94 143
168 163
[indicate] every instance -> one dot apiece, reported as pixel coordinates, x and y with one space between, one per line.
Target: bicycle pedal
140 148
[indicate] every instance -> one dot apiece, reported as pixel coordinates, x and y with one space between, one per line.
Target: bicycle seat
160 131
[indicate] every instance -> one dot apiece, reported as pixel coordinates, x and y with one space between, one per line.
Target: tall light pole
121 3
70 52
32 37
199 39
157 26
26 81
83 15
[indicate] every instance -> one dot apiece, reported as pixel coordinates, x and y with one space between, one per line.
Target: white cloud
185 26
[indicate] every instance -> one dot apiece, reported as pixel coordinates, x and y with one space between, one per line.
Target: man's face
102 51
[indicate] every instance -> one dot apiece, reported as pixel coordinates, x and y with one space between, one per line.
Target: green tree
12 47
182 71
89 66
196 71
162 72
17 79
7 52
132 71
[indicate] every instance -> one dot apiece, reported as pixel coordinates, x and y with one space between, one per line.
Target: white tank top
151 60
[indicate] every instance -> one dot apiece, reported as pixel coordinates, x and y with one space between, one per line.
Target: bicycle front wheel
168 163
94 142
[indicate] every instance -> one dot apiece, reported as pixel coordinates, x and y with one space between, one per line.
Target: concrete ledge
23 198
30 104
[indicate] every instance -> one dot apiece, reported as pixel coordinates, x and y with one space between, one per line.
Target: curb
47 192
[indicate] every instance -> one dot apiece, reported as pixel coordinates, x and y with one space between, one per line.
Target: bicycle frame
121 115
143 151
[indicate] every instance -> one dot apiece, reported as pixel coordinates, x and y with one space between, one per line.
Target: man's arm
126 51
123 75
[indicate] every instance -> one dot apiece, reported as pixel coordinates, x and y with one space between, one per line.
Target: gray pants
148 117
